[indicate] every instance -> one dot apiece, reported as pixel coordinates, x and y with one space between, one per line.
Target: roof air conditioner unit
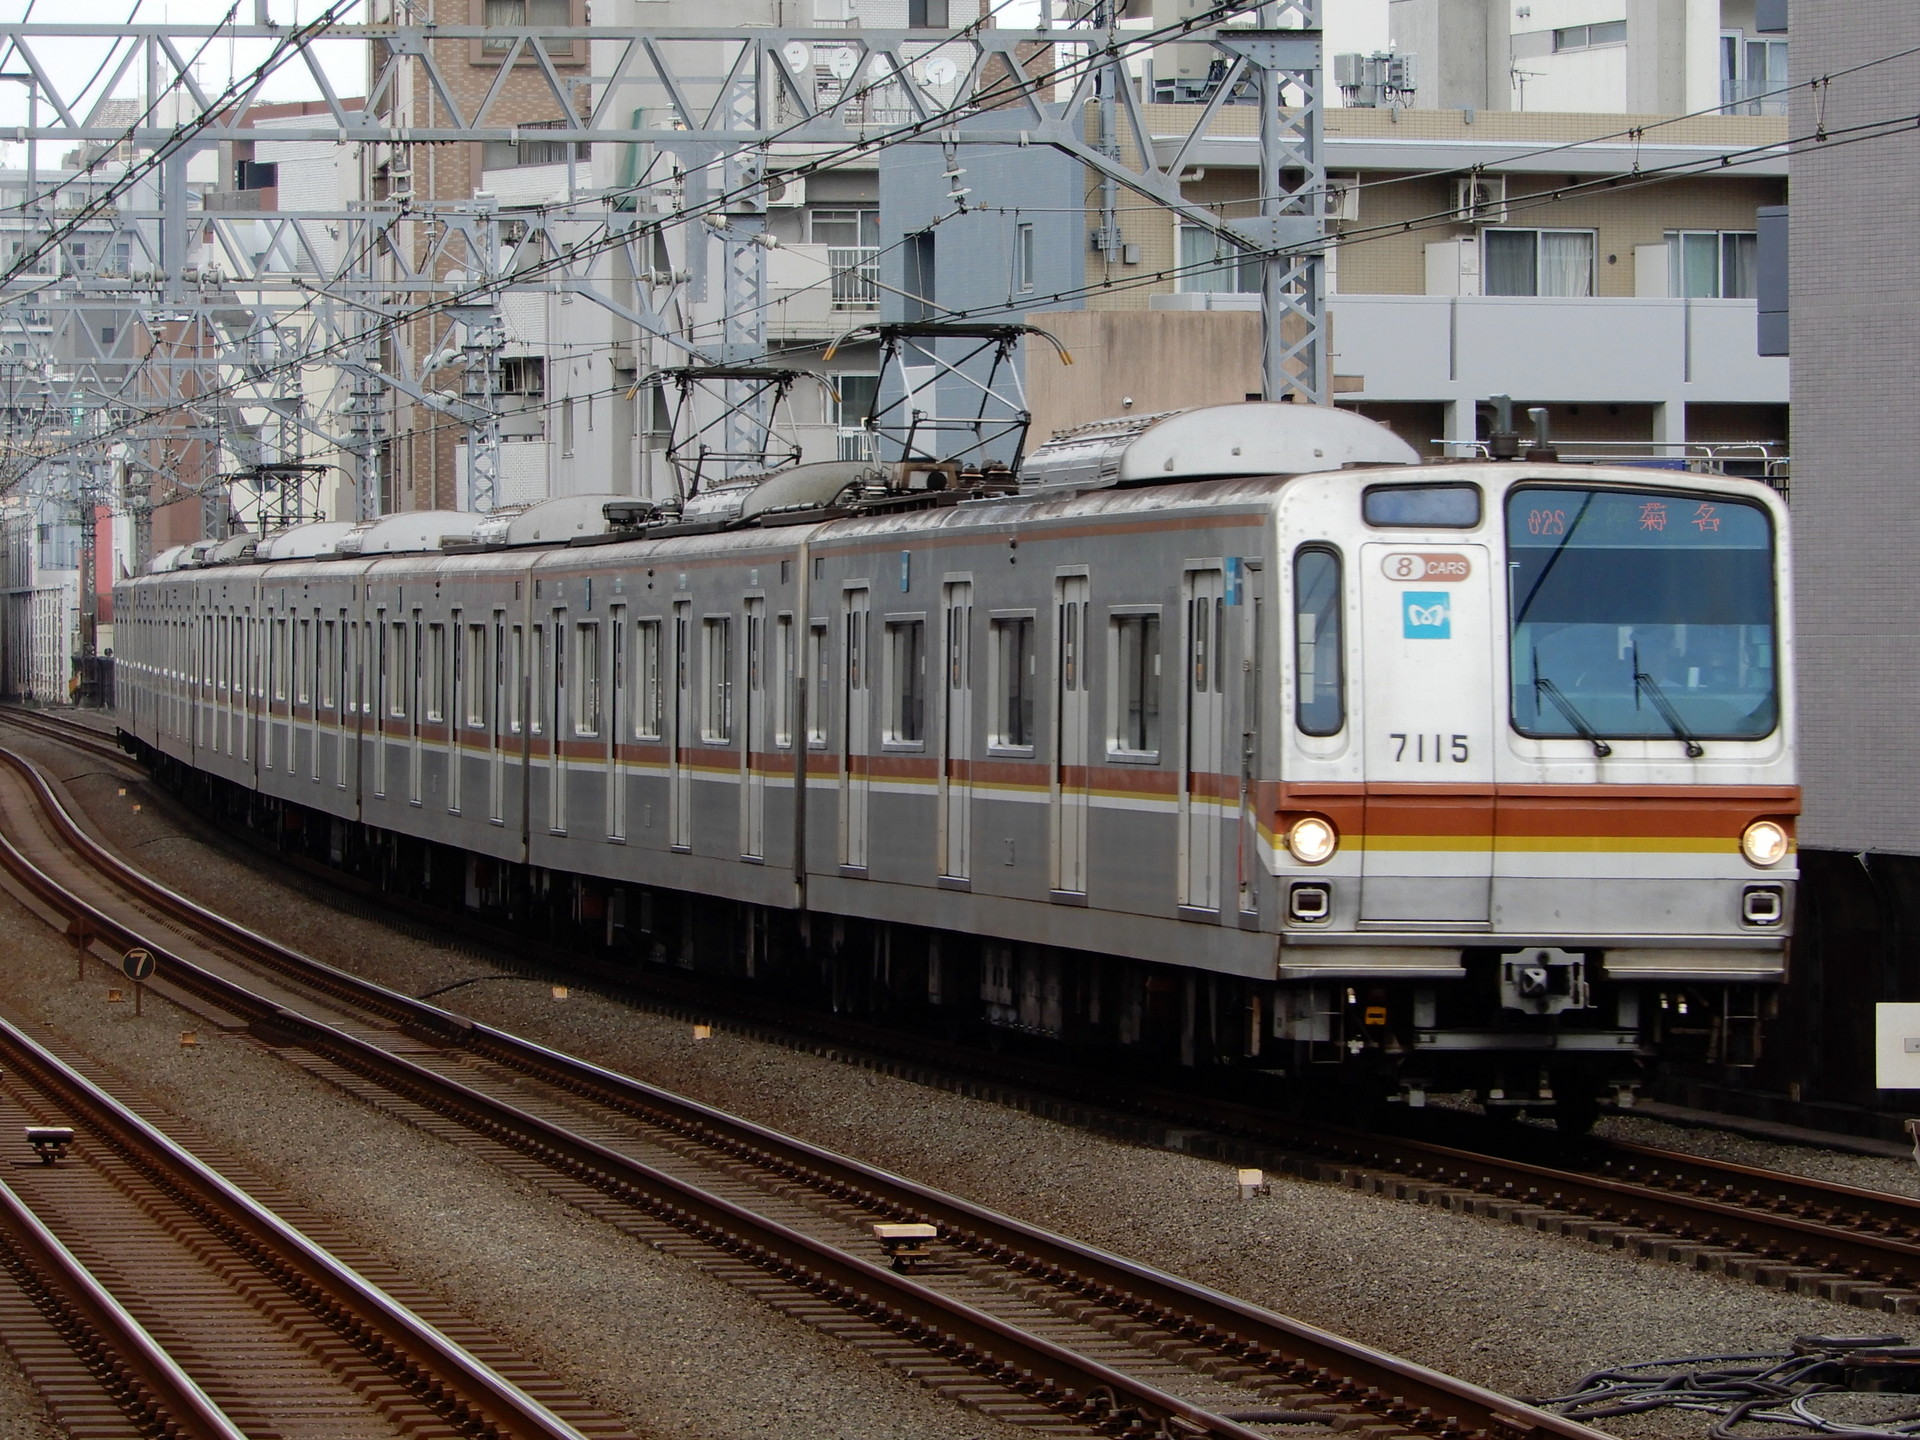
783 191
1480 200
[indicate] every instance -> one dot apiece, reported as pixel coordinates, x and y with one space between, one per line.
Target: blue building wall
975 253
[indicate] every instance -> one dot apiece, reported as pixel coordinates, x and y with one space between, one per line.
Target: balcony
1654 350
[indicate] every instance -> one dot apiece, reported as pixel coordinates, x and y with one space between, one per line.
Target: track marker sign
137 963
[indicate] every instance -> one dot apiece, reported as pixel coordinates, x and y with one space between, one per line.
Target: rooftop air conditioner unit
1480 200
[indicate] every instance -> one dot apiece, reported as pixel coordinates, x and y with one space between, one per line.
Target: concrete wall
1160 360
1856 365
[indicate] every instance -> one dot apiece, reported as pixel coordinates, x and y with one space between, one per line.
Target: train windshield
1639 615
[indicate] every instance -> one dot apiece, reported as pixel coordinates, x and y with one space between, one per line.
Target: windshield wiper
1646 682
1546 687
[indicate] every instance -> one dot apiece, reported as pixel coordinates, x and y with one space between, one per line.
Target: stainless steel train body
1476 775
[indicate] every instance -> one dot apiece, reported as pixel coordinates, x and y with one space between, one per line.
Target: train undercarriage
1532 1032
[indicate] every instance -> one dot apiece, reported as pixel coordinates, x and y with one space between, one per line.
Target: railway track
151 1296
1015 1321
1842 1243
66 731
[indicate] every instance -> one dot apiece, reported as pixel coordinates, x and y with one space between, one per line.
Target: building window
906 682
1588 37
1023 258
1212 264
510 155
528 14
1750 70
852 238
716 719
926 14
523 375
1539 262
1014 677
1136 685
1712 264
255 174
843 227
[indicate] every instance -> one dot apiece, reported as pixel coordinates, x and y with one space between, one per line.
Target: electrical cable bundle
1772 1395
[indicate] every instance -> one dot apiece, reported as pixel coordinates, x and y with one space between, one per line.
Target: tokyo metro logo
1426 614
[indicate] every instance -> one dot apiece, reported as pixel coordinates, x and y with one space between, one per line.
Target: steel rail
462 1388
1847 1230
148 1385
1345 1373
65 732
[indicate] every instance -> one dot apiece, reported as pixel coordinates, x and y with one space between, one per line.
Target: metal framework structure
250 341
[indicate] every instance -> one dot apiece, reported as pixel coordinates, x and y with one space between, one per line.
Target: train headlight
1764 843
1312 840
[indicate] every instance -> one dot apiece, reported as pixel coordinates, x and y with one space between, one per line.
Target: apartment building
1470 255
1642 57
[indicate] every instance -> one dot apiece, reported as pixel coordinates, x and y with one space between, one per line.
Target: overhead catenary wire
1854 134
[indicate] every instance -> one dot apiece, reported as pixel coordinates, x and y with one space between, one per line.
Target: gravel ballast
1514 1309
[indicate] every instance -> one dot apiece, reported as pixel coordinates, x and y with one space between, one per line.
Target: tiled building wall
1856 368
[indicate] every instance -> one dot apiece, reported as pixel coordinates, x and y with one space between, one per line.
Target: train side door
1201 778
504 676
416 682
1070 751
617 707
679 775
855 781
1427 673
753 788
559 721
956 736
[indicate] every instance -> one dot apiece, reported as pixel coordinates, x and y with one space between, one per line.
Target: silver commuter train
1235 733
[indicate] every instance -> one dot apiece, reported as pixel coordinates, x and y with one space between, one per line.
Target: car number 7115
1444 748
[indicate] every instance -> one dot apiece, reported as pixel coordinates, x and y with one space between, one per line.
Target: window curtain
1739 255
1566 262
1200 246
1512 262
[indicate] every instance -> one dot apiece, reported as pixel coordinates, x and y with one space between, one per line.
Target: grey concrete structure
1856 363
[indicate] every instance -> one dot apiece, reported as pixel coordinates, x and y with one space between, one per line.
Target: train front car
1533 825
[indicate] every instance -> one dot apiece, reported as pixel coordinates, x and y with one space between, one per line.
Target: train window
436 676
329 669
1013 674
1320 706
476 673
648 714
586 681
617 662
1443 507
716 711
516 677
817 711
1641 614
1134 651
783 681
392 664
906 682
302 648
